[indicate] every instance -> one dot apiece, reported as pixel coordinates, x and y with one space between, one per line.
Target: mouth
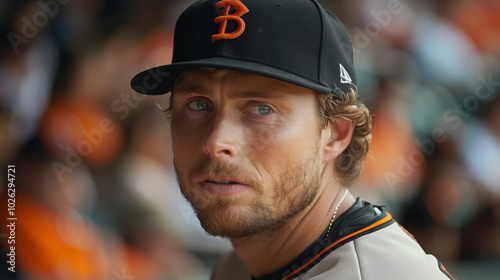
221 182
222 186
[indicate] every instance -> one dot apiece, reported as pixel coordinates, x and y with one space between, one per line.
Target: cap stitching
321 45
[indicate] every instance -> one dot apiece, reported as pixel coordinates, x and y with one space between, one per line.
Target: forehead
205 79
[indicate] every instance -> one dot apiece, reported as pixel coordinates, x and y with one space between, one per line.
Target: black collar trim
361 219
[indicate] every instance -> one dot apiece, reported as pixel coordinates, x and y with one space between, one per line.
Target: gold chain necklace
335 214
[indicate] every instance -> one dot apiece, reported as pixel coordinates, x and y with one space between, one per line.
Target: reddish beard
293 191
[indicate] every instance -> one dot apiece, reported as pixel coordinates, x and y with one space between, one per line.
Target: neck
267 252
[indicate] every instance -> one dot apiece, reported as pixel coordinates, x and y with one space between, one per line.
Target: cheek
279 146
184 143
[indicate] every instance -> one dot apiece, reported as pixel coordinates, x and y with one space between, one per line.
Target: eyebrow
190 88
253 93
240 94
181 78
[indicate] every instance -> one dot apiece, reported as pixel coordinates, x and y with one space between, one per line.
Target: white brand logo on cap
344 76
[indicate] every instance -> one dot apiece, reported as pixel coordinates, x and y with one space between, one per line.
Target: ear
337 136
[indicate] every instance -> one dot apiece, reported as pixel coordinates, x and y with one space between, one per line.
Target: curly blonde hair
349 163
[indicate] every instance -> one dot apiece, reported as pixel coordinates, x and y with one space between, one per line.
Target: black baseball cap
296 41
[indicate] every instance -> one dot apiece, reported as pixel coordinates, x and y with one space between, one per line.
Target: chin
225 221
234 221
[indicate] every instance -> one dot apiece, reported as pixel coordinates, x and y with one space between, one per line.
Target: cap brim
160 80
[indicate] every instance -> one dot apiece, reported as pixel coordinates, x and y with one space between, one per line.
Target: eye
199 105
261 110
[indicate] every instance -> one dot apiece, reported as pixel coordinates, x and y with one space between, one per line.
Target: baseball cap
296 41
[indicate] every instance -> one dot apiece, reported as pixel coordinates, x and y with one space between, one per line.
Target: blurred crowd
96 194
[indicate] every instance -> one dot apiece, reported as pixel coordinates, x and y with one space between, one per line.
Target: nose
223 138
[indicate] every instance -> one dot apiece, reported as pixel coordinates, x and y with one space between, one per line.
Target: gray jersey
365 243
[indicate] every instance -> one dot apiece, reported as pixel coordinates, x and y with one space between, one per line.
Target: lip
234 187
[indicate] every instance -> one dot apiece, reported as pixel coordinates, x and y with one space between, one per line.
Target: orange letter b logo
222 20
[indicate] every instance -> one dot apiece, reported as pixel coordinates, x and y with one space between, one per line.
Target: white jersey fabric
365 244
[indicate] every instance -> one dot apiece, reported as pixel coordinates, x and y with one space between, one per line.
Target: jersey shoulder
389 253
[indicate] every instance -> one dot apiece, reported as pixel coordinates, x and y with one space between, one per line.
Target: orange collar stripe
446 272
384 220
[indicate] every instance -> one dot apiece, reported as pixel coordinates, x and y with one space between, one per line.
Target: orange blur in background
96 194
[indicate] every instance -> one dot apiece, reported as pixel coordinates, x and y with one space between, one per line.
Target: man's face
247 149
